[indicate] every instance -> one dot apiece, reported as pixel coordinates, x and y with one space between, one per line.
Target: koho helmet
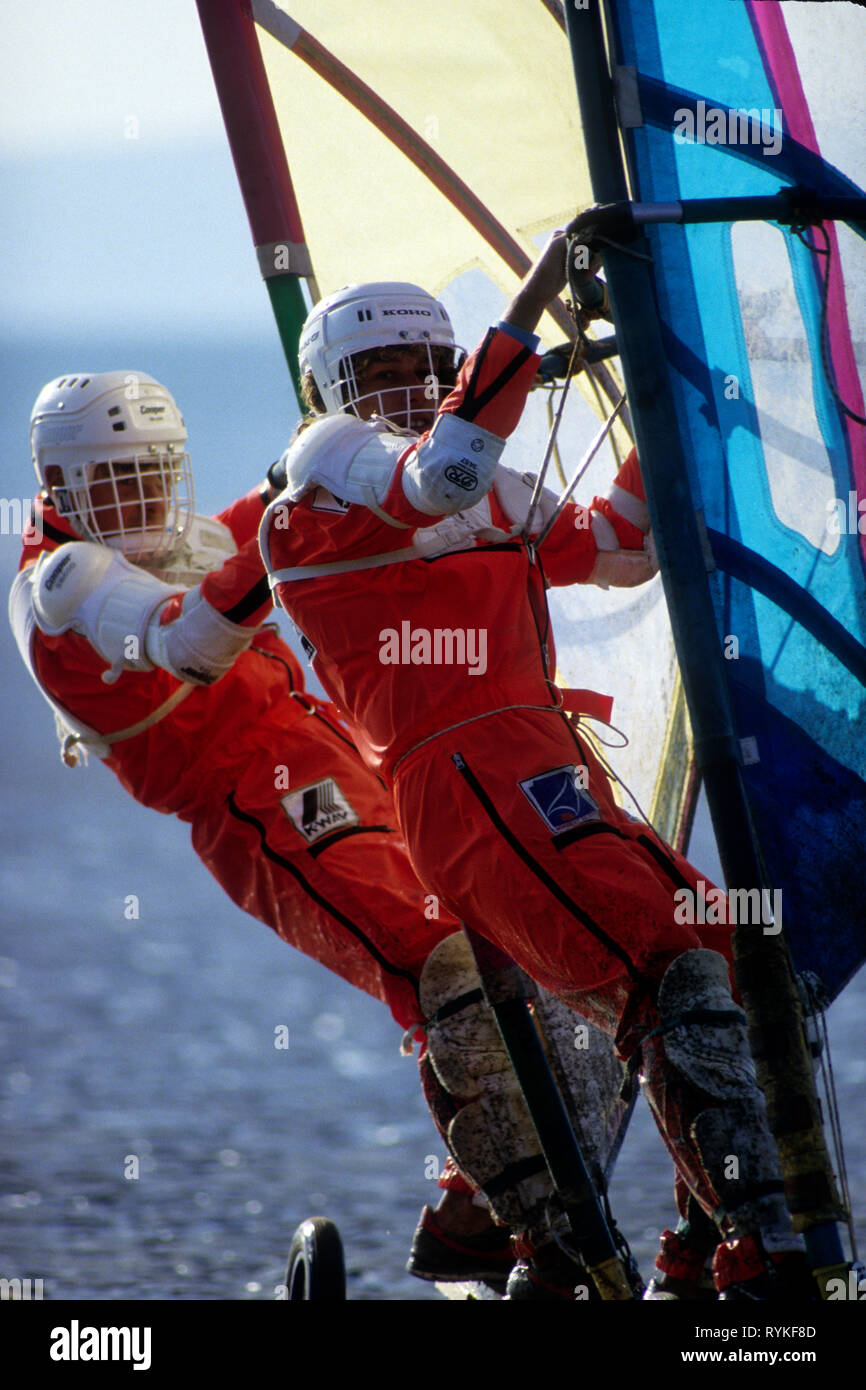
362 319
110 450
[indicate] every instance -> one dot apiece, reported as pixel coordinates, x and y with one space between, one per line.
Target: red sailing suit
583 903
328 872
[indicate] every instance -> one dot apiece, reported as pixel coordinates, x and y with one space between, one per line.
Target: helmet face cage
409 407
141 505
363 324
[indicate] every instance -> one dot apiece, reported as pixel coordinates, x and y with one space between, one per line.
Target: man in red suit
399 548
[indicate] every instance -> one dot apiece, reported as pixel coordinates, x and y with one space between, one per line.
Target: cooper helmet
363 319
109 449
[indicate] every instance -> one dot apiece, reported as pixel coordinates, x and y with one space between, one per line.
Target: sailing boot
447 1256
683 1266
683 1270
546 1274
744 1272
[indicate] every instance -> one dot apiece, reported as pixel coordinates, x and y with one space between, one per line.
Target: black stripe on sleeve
472 408
257 595
469 393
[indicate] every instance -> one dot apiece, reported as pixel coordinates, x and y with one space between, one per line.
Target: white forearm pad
514 494
95 591
453 468
200 645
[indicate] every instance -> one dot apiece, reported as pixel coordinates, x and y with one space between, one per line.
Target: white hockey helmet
109 448
370 318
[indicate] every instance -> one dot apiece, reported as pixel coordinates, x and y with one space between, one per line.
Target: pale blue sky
73 71
119 191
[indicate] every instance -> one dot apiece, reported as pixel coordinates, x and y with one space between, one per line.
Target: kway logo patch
317 810
310 651
325 501
559 799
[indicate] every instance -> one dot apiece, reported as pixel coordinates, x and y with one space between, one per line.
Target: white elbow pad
453 468
200 645
96 592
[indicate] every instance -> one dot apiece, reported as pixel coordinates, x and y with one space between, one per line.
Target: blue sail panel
777 464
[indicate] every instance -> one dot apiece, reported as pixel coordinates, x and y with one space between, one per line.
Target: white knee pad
492 1138
710 1050
710 1047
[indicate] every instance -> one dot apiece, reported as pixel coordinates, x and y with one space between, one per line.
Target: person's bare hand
543 283
548 276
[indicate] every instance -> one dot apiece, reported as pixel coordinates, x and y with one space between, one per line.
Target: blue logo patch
559 799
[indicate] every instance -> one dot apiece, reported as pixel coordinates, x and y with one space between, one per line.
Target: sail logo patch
560 799
319 809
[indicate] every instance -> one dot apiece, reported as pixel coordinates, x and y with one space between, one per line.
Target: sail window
797 462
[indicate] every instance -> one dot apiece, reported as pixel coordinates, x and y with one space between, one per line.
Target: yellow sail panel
487 88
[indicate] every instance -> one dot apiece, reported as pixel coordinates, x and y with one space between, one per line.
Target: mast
763 968
260 162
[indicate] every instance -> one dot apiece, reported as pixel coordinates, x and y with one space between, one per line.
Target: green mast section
290 311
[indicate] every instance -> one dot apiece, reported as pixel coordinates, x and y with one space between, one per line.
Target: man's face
399 383
139 502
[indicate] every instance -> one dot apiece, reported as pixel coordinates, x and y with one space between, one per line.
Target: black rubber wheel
316 1269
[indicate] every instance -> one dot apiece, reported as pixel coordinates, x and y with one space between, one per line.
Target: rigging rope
554 430
597 743
576 243
556 458
584 464
817 1011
